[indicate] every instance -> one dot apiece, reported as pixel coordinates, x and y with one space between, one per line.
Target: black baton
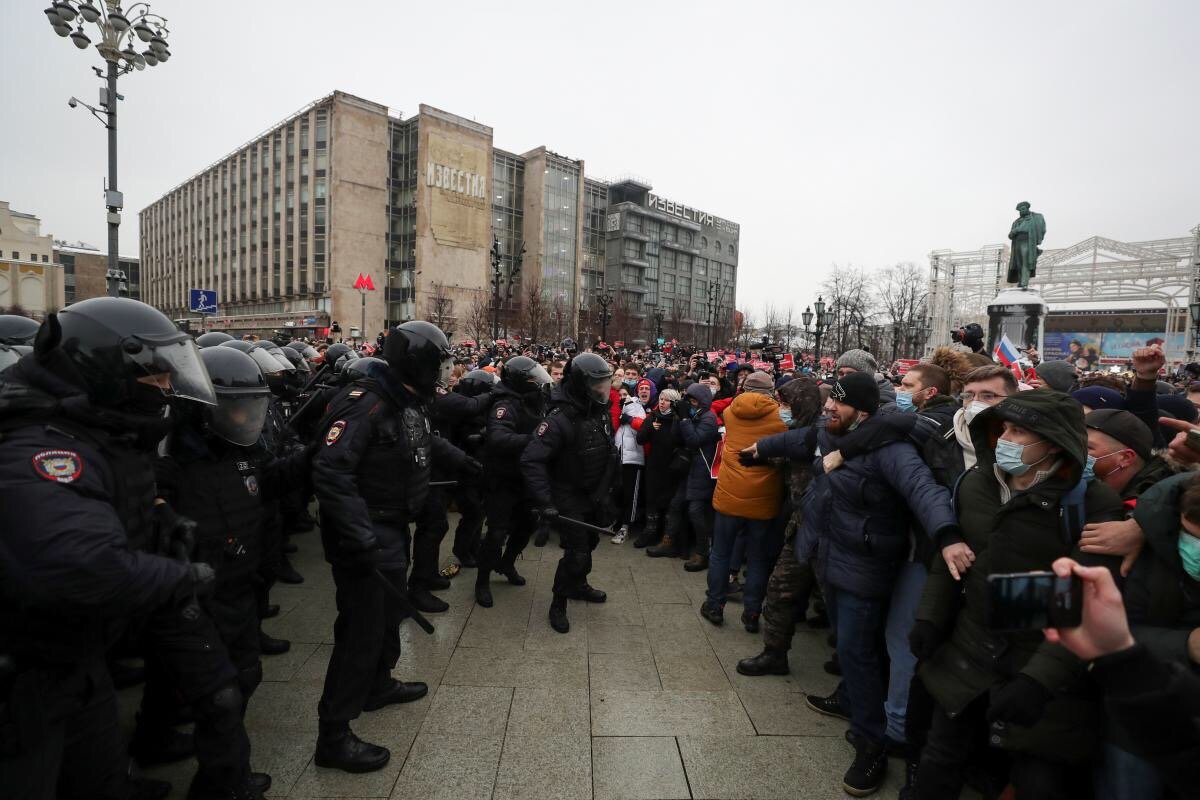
405 604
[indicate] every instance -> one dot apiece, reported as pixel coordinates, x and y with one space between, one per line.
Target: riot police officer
79 418
520 405
214 473
448 412
569 466
469 436
371 474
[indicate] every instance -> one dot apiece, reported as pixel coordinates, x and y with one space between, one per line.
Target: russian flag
1006 353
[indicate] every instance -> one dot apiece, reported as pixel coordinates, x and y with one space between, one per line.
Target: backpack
1072 510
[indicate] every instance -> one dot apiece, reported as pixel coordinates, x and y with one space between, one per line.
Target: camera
73 102
956 335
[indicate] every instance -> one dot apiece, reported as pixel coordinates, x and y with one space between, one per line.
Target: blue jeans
906 595
860 622
1124 776
761 547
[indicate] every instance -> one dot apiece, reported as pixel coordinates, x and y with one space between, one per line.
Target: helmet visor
444 370
598 389
177 357
266 362
539 377
286 365
239 418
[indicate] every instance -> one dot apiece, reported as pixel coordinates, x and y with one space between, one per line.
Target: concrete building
29 276
282 227
85 268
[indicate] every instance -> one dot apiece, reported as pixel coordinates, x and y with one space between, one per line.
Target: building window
16 255
653 229
668 233
729 271
704 242
685 238
701 266
685 286
732 251
632 249
631 276
717 246
45 259
633 223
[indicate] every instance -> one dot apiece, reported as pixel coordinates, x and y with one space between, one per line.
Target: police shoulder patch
356 393
335 432
541 428
500 412
60 466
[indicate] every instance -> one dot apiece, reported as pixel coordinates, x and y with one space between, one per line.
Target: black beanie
857 390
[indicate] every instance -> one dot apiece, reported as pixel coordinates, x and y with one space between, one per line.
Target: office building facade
282 228
31 280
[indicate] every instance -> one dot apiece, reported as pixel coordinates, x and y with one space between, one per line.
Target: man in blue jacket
857 519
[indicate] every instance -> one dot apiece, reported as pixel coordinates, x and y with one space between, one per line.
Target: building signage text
468 184
690 214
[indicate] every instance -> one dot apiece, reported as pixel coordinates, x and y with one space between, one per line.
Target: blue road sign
202 301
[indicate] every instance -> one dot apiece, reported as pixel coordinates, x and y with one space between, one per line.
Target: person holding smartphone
1031 450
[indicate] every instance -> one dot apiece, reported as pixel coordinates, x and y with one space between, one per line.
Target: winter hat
759 382
1058 375
1177 406
1098 397
859 361
1124 427
858 390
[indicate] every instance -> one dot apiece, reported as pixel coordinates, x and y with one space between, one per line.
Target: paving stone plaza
640 700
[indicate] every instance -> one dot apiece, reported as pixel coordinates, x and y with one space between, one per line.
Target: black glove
626 419
1020 701
471 466
682 408
177 535
749 459
924 639
549 514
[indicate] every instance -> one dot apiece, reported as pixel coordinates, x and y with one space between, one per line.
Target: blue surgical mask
1089 469
1189 553
785 414
904 401
1009 457
692 411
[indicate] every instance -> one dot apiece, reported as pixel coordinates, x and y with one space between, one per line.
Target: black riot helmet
419 354
276 352
212 339
15 329
588 379
242 395
475 383
334 352
345 360
295 358
369 367
127 354
524 375
8 356
238 344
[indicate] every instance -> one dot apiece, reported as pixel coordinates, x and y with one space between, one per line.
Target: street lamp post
658 321
1194 311
116 28
821 319
604 299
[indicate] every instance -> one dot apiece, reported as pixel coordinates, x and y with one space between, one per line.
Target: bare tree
534 310
902 292
620 324
441 309
479 318
848 300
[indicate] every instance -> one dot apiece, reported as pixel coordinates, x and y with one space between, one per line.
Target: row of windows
657 230
32 257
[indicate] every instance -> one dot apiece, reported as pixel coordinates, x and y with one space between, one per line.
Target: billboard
1121 344
1071 346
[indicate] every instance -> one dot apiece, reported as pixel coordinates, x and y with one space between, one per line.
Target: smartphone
1030 601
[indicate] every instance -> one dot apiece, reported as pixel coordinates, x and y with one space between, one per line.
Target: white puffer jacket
626 436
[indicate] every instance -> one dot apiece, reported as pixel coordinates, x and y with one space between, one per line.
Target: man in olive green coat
1031 451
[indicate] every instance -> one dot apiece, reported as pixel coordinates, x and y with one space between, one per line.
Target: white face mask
970 411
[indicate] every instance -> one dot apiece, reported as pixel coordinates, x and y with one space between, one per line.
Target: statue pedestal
1019 313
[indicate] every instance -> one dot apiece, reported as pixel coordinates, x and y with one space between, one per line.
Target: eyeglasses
983 397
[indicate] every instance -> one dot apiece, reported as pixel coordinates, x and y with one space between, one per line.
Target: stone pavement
639 700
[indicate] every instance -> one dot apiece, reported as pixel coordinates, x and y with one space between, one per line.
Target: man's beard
835 424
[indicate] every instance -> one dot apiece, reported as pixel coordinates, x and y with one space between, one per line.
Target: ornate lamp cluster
117 30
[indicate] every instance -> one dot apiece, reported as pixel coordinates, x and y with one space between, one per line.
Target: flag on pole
1006 353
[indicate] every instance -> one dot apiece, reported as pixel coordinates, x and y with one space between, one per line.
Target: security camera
72 102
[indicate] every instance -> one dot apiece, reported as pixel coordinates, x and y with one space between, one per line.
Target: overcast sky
858 133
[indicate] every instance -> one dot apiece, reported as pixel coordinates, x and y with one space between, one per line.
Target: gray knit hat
859 361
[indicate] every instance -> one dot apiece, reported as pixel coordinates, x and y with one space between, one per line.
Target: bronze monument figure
1026 234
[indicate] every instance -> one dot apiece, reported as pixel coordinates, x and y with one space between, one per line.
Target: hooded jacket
700 435
751 492
1021 533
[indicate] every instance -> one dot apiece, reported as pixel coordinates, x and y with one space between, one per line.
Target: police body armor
589 468
222 494
393 473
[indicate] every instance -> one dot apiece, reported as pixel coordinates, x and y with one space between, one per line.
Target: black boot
397 692
287 573
435 584
514 577
339 748
770 661
272 610
164 746
542 536
649 534
558 614
483 592
426 602
865 775
205 789
270 646
909 790
466 560
588 594
261 782
713 613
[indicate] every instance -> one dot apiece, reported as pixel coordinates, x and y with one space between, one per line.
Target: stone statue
1026 234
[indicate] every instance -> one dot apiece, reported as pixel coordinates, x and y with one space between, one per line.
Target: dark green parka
1021 534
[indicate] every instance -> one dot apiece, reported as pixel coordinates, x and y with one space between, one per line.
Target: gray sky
854 133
